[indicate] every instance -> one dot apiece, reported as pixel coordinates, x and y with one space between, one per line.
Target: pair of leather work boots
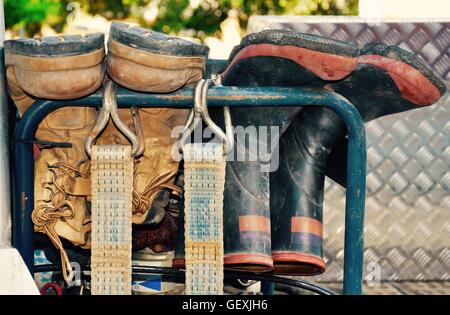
73 66
273 220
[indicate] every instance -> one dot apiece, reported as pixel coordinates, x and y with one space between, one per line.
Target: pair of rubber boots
273 215
73 66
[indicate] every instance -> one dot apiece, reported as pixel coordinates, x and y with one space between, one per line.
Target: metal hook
228 135
193 118
109 109
200 111
229 129
138 129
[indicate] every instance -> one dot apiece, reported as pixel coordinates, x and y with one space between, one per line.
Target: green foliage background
174 15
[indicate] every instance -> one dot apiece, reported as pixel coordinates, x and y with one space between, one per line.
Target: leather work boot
267 58
148 61
387 80
57 67
62 67
138 59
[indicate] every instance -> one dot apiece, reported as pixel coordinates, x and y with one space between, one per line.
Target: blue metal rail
24 136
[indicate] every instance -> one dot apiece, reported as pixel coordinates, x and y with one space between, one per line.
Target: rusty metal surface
407 232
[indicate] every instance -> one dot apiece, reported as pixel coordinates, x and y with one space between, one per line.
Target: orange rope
45 217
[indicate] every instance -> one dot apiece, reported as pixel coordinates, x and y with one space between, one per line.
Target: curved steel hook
200 111
138 128
109 109
228 135
193 118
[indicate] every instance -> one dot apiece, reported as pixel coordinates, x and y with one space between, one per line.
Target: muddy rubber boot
408 84
296 191
268 58
387 80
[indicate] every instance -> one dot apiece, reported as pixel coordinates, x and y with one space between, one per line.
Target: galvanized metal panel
407 231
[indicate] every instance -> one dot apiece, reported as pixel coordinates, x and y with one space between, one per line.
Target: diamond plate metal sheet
384 288
407 231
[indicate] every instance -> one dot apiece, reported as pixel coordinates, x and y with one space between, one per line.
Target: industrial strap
204 179
112 186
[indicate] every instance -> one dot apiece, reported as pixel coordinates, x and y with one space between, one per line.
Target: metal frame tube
217 96
2 23
5 179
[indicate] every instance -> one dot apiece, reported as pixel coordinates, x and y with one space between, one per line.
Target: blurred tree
29 15
206 15
201 16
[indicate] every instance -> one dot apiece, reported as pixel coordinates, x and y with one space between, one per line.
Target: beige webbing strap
112 186
204 179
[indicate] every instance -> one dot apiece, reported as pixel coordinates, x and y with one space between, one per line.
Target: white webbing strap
204 179
112 185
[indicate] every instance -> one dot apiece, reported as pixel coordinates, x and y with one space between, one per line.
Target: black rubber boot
387 80
296 191
268 58
357 89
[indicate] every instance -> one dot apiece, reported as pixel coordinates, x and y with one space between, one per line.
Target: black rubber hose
228 274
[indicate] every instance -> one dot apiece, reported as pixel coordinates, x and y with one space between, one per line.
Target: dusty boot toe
58 67
148 61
